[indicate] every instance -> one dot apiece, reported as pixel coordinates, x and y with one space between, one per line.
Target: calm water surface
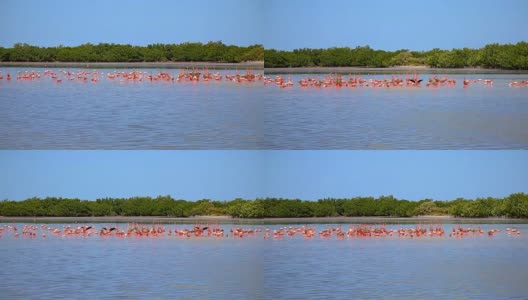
253 268
126 115
225 115
479 117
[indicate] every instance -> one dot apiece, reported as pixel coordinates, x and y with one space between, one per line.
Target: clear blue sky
393 25
382 24
137 22
225 175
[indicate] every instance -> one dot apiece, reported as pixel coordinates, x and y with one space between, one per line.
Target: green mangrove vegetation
493 56
513 206
185 52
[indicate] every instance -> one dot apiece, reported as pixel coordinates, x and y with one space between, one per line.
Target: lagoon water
126 115
225 115
478 117
253 268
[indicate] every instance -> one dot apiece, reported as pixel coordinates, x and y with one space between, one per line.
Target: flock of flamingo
187 75
134 230
394 81
249 76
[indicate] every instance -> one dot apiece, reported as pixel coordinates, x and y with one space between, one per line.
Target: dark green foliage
516 206
513 206
511 57
186 52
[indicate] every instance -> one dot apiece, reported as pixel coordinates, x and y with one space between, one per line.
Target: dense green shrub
514 206
511 57
185 52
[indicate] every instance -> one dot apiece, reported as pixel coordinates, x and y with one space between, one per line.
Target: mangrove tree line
513 206
494 56
185 52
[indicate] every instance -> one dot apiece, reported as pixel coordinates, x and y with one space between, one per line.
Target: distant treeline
185 52
513 206
495 56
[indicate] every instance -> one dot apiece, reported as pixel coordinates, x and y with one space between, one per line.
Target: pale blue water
479 117
254 268
142 115
225 115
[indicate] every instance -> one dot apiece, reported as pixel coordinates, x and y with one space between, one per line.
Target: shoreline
137 65
231 220
389 70
259 65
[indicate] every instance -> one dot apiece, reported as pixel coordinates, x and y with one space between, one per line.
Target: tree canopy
185 52
496 56
513 206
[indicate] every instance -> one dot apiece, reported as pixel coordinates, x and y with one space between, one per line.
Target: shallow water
475 267
126 115
478 117
225 115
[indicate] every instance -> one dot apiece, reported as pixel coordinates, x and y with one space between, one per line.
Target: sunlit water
478 117
225 115
111 114
475 267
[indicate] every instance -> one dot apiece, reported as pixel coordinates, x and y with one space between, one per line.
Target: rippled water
479 117
113 115
225 115
393 268
134 268
254 268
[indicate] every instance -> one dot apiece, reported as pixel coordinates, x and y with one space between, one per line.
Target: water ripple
72 115
252 268
220 115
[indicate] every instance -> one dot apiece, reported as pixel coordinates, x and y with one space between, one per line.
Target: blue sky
137 22
382 24
225 175
393 25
